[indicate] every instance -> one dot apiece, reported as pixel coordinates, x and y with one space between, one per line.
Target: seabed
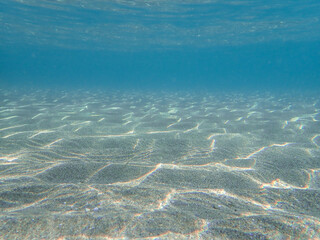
132 165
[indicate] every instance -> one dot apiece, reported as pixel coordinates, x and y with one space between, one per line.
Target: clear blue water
161 44
159 119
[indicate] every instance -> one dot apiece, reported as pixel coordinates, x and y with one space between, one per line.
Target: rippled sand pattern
98 165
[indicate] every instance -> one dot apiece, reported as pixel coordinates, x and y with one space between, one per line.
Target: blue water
161 44
162 119
258 66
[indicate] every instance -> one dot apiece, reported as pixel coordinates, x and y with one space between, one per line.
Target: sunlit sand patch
280 145
41 132
285 125
84 108
172 110
52 143
194 128
237 164
129 133
217 134
314 178
9 157
11 127
175 194
39 114
126 123
262 149
159 132
120 182
166 201
114 108
8 118
25 206
315 140
212 144
277 183
6 110
228 168
252 113
80 123
12 134
170 125
239 119
77 129
136 144
129 115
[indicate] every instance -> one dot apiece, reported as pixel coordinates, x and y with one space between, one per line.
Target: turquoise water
159 119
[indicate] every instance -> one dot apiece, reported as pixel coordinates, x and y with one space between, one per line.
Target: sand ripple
98 165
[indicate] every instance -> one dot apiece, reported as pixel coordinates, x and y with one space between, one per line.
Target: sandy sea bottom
97 165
